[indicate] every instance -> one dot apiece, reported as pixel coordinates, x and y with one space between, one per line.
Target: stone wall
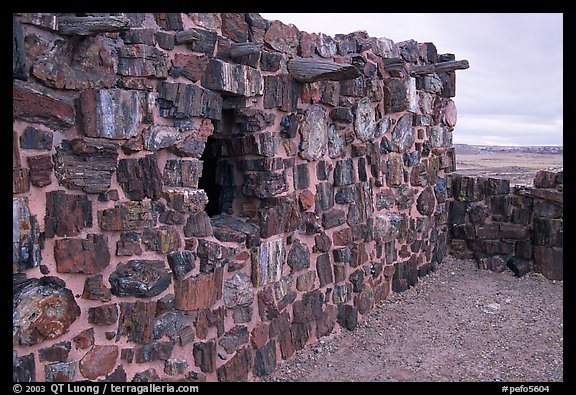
197 196
519 228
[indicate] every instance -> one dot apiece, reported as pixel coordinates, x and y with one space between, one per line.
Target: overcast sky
512 92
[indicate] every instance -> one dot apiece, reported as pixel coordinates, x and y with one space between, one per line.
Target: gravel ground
459 323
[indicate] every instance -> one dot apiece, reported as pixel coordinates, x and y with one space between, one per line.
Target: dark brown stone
61 371
182 173
66 215
164 239
33 138
298 256
106 314
23 368
181 262
237 368
426 202
85 164
139 60
265 359
173 367
38 105
198 225
198 40
169 20
156 350
333 218
181 101
234 338
40 170
129 244
347 316
549 261
281 92
147 376
205 356
140 178
87 256
127 216
94 289
140 278
230 228
232 78
136 321
56 353
324 270
43 309
280 217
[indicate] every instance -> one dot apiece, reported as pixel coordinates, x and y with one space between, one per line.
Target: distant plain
519 164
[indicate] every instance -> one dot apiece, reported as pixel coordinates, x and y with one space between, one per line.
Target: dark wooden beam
88 25
310 70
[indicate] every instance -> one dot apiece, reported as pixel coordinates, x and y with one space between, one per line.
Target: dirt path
459 323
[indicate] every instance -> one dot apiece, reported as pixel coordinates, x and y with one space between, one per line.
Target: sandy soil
459 323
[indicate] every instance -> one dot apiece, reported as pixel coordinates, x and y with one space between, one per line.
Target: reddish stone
282 38
141 60
259 335
40 170
87 256
43 309
200 291
78 65
99 361
84 339
39 105
136 321
306 199
234 26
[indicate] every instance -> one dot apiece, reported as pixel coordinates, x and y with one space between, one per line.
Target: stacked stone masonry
198 196
504 228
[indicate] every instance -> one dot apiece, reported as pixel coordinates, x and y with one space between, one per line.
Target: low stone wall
520 228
